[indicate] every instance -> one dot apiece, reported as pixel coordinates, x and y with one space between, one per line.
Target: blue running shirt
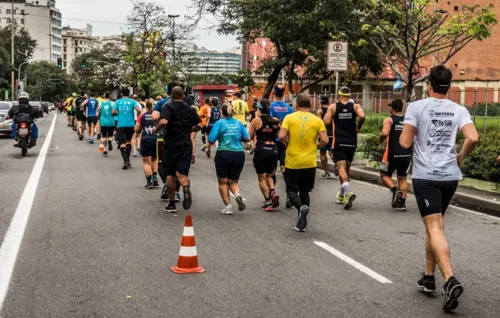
229 132
106 118
92 105
280 110
126 112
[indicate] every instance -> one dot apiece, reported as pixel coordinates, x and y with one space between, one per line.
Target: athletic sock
155 175
123 151
346 187
129 151
229 206
394 189
149 179
237 195
403 201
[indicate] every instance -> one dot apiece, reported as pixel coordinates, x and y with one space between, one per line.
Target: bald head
177 94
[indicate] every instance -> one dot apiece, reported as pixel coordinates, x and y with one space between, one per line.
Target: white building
43 22
76 42
115 40
216 62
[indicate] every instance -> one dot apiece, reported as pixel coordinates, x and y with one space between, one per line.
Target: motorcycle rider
24 107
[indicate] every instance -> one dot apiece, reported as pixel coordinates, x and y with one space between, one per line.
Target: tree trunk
272 78
410 88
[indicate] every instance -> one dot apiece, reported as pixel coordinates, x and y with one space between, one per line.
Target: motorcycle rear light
7 117
23 125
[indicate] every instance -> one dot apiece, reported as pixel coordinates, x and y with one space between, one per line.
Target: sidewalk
486 202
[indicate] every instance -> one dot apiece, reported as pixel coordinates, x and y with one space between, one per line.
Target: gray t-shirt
438 122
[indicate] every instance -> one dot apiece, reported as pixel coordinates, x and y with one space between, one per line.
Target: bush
480 109
481 163
371 148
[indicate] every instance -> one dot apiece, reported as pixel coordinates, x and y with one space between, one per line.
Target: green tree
46 81
405 32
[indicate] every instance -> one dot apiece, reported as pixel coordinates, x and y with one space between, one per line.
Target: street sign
337 59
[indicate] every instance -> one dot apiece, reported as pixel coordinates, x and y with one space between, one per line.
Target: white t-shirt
438 122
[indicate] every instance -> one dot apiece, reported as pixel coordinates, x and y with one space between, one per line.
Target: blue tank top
215 116
107 119
147 125
92 105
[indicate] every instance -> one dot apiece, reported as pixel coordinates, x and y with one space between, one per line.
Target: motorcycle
24 132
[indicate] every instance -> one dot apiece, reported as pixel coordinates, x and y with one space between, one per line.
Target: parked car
45 107
4 110
6 127
52 107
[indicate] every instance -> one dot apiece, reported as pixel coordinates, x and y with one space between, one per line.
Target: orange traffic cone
188 256
101 148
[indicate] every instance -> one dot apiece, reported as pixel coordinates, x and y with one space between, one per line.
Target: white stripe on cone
188 231
188 251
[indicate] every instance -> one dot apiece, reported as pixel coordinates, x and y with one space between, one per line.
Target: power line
75 19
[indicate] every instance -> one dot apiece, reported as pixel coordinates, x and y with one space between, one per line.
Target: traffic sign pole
337 60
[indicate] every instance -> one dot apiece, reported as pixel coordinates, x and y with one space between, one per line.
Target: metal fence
482 103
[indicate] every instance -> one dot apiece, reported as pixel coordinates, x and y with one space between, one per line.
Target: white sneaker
227 211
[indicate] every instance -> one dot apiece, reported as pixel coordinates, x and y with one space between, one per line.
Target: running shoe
80 137
208 153
348 200
396 197
275 199
177 197
139 151
401 206
326 176
164 193
105 154
99 136
170 208
156 183
203 148
134 154
451 291
268 207
340 199
110 145
125 166
427 283
129 165
302 220
149 185
288 203
241 204
188 200
227 211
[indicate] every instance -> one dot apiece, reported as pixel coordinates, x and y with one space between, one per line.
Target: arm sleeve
465 118
214 134
411 116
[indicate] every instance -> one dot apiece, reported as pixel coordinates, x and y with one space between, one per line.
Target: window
65 57
8 11
65 64
22 12
65 50
455 8
76 50
65 41
22 21
9 20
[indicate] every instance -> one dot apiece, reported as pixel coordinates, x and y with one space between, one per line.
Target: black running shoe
156 183
241 204
401 206
125 166
451 291
80 137
129 165
427 283
288 203
149 185
170 208
110 145
164 193
396 197
188 200
105 154
302 221
276 200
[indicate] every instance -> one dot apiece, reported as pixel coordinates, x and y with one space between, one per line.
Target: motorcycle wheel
24 151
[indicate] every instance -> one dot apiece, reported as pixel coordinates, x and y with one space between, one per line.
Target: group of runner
167 129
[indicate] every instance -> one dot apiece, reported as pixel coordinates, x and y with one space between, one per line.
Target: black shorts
124 135
329 145
107 131
92 120
68 113
177 161
281 153
73 114
81 117
265 158
343 154
433 196
401 165
229 164
148 148
300 180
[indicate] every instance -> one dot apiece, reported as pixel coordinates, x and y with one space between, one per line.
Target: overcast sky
77 13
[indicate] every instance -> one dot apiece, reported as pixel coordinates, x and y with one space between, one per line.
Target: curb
460 198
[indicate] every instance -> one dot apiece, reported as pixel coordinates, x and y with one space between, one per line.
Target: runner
144 126
81 119
107 121
214 114
136 137
343 114
125 110
204 116
230 157
329 130
69 111
396 158
299 133
280 109
240 108
265 128
91 106
180 121
433 124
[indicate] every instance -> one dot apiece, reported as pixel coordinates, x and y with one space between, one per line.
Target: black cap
397 105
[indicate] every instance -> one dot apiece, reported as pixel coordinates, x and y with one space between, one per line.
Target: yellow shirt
303 129
240 110
69 103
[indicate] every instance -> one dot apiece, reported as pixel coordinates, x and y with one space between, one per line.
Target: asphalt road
97 244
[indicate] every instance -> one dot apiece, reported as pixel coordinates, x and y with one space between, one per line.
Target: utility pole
13 75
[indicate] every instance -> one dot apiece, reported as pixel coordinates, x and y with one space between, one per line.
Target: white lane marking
13 238
353 263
